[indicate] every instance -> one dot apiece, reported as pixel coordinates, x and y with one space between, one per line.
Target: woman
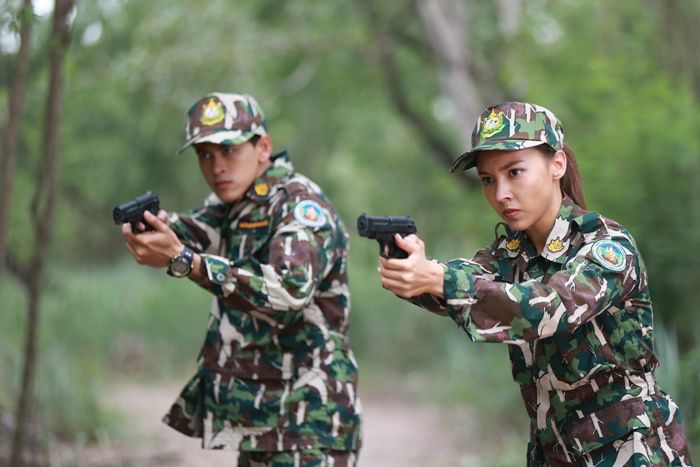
566 288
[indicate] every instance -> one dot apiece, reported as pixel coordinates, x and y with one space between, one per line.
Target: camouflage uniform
577 319
276 372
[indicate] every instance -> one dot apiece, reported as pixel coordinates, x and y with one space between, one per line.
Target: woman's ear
558 164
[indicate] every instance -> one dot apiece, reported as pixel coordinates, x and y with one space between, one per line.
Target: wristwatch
180 265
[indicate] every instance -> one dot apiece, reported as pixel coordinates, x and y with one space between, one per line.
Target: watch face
180 267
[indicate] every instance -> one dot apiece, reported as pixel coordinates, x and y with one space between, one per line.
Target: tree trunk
446 23
12 125
43 203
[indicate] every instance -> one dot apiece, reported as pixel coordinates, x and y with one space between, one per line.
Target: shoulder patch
610 255
309 213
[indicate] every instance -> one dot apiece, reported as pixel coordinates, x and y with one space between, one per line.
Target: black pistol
382 229
132 211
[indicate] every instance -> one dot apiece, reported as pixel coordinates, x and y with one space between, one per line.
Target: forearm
197 275
272 293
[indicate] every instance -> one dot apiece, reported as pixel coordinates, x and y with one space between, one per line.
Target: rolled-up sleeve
482 264
514 313
299 257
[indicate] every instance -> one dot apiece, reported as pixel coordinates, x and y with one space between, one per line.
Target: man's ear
559 164
264 148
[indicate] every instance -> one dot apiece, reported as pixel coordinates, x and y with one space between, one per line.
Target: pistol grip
389 249
135 226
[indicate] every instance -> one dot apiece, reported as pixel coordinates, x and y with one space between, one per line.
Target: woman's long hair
570 183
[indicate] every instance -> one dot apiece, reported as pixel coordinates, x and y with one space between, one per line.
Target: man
276 379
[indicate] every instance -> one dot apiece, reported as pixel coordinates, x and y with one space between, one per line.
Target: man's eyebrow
504 167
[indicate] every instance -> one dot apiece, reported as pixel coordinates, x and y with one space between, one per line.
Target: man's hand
153 248
414 275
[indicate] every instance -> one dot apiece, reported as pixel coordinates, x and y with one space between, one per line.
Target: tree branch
399 96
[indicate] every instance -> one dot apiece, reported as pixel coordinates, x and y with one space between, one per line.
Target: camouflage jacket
578 321
276 372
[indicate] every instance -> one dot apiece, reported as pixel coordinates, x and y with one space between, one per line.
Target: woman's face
523 187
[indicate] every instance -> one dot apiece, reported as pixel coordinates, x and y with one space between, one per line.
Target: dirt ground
397 433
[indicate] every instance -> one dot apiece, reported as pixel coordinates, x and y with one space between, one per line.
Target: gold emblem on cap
492 124
212 112
513 245
555 246
262 189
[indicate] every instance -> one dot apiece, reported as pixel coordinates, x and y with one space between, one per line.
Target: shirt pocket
597 429
251 241
573 356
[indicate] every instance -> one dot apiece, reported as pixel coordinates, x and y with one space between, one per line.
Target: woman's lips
222 184
511 213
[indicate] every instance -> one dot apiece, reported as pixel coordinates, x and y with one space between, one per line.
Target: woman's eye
486 180
515 172
230 151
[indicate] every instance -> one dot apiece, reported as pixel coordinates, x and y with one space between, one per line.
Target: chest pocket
249 237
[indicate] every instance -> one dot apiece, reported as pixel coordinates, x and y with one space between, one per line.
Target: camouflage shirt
577 319
276 372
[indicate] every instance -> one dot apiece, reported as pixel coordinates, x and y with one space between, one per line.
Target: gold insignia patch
253 224
492 124
513 245
212 113
262 189
555 246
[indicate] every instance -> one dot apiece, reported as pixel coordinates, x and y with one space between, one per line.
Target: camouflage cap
511 126
224 119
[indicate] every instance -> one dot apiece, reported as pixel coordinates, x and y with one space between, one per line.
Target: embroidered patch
309 213
492 124
248 225
212 113
555 246
216 268
513 245
610 255
262 189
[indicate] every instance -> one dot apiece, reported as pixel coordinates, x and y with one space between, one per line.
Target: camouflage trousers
310 458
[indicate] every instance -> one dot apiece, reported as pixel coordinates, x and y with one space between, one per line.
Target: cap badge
493 124
262 188
309 213
555 246
513 245
610 254
212 113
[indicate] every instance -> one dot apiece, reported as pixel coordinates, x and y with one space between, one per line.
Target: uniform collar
516 243
267 184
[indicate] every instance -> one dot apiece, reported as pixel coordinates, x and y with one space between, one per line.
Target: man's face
230 170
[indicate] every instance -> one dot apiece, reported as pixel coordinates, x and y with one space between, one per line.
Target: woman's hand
153 248
414 275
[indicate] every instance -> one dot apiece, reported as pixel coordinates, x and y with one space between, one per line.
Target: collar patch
262 188
555 246
610 255
309 213
513 244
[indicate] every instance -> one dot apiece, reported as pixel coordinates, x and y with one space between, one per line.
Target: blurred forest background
373 100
